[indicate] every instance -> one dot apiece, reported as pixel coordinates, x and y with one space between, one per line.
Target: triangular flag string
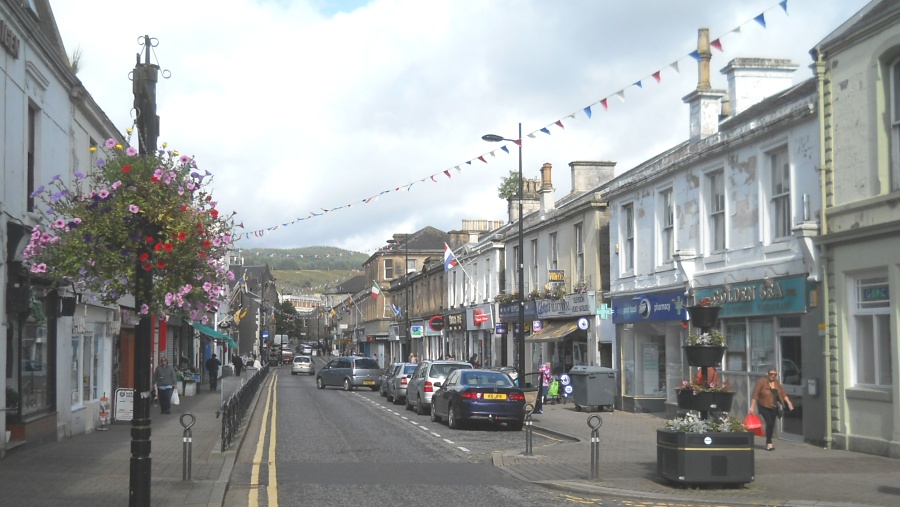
759 19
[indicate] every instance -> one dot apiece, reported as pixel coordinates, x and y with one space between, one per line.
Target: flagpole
459 263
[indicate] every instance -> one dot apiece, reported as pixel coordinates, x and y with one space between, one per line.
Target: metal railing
234 409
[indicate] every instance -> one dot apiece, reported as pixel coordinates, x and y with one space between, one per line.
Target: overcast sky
299 106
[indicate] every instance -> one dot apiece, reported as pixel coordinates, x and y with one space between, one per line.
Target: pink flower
145 309
110 144
131 151
103 193
116 185
133 208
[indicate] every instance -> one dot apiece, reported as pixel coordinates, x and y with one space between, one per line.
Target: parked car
382 389
287 356
350 372
302 364
305 348
398 381
468 395
421 384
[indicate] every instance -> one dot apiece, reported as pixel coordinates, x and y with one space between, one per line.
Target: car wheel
420 409
516 425
292 373
347 385
434 416
408 404
452 418
390 398
397 400
374 389
320 383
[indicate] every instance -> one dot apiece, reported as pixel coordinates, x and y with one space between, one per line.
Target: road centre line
463 449
449 441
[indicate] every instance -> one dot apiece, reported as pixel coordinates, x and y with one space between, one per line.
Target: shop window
736 341
762 345
30 352
871 332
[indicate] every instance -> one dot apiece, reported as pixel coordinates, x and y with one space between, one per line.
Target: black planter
704 317
704 355
704 401
705 458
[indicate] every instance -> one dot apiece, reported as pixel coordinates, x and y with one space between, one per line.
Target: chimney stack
704 101
750 80
548 197
590 175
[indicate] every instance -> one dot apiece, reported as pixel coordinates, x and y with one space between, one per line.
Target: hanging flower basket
704 317
704 355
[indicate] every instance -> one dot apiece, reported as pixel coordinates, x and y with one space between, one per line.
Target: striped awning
553 332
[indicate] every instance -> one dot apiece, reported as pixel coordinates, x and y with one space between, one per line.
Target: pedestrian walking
238 364
543 385
212 366
767 393
164 378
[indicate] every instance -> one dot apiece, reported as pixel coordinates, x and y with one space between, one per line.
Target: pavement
93 469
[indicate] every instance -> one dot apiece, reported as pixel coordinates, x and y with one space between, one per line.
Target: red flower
181 236
168 247
126 169
143 257
149 239
206 243
202 255
214 212
157 247
161 265
184 208
154 179
148 266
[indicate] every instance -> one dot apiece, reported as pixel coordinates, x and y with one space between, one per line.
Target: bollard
187 442
594 422
529 435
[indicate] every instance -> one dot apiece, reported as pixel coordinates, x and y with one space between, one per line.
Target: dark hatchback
468 395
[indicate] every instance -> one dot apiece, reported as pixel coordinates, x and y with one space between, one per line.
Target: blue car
469 395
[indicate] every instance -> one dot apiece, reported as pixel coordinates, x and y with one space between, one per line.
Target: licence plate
494 396
368 382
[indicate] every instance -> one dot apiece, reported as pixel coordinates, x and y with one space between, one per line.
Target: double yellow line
268 426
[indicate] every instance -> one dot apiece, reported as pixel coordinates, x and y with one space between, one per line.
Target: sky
340 123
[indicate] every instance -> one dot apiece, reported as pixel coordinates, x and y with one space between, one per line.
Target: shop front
768 324
456 335
508 329
432 343
480 327
649 329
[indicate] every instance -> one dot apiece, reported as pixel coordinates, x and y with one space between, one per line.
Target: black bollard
186 446
529 432
594 422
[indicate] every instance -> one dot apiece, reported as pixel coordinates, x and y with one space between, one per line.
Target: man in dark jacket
238 364
212 366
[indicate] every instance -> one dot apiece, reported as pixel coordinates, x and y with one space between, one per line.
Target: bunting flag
376 290
657 76
449 258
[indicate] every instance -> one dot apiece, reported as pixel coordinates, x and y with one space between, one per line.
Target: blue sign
650 307
501 328
265 336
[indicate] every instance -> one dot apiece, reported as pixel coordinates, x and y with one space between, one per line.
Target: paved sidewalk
794 474
93 469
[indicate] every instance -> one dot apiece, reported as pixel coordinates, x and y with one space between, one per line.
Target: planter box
704 317
705 458
704 355
704 401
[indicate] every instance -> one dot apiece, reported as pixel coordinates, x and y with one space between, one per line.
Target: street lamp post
393 243
520 338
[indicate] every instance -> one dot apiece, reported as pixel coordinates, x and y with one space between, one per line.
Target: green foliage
310 280
287 321
323 258
509 186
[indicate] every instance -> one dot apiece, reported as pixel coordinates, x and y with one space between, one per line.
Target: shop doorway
791 377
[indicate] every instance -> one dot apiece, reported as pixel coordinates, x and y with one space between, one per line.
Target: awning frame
553 332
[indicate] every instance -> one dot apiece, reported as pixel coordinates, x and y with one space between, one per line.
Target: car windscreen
408 369
366 364
442 370
484 379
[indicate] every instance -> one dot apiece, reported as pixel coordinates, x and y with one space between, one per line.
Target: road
329 448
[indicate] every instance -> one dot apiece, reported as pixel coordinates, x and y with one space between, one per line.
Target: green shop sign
763 297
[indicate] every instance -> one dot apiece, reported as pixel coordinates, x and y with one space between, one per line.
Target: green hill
308 269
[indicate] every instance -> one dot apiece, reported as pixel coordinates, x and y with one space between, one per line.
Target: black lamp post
393 243
520 338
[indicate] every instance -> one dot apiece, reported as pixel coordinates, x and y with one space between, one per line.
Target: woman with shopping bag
767 394
165 379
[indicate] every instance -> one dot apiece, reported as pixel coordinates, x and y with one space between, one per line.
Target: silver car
398 381
302 364
421 384
350 372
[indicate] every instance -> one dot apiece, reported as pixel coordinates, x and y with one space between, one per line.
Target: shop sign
435 325
650 307
416 331
501 328
509 312
762 297
479 317
456 321
570 305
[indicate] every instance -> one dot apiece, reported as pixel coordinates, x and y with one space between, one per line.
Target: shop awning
553 331
212 333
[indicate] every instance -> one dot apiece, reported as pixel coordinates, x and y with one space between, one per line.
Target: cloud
297 106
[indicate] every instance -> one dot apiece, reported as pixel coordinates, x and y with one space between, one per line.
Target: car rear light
516 397
429 388
404 381
469 395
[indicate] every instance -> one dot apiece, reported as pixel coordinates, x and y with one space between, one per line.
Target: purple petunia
101 162
79 175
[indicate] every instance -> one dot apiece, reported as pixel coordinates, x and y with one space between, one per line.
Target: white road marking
436 434
448 441
463 449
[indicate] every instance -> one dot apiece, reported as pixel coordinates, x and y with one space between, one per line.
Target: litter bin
593 386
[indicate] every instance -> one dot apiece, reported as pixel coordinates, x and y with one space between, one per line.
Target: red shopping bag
754 425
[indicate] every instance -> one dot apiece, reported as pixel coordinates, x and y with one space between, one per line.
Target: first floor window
871 331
